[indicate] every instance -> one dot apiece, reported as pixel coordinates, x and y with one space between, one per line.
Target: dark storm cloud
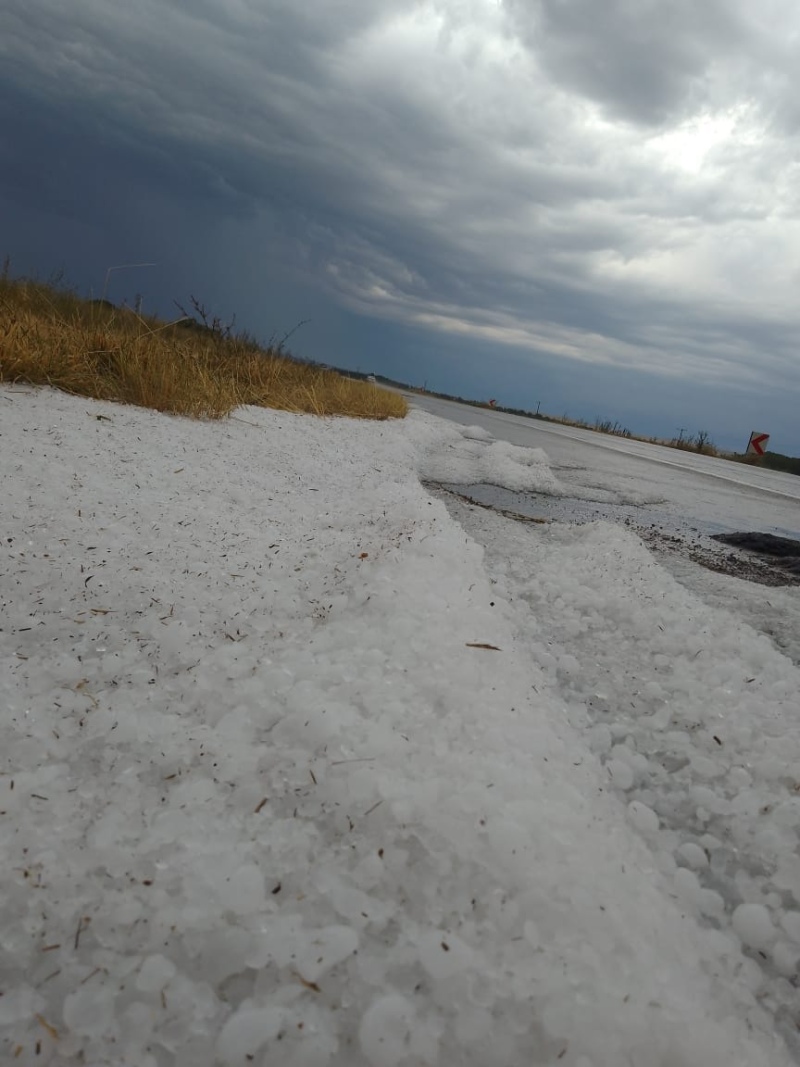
615 185
641 60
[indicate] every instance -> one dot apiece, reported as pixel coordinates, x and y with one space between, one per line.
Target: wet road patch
763 558
780 552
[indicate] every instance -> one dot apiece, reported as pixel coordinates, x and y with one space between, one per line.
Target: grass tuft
50 336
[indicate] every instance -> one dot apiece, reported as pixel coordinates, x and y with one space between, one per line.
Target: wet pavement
754 556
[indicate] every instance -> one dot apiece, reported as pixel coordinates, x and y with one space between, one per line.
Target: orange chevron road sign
757 445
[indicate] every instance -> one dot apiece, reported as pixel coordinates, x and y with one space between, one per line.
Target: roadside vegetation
699 442
194 366
775 461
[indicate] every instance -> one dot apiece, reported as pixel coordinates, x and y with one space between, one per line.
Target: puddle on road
755 557
574 509
782 552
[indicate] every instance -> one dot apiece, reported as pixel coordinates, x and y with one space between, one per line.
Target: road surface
671 488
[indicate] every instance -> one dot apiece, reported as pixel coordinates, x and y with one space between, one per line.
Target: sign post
757 445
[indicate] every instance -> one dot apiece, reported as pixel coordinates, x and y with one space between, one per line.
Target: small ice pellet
686 882
693 855
790 921
245 1032
155 972
643 818
753 924
621 774
785 958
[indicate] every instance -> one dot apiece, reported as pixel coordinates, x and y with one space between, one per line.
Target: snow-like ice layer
775 612
474 456
693 716
265 799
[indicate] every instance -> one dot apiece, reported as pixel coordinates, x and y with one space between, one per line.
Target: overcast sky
588 204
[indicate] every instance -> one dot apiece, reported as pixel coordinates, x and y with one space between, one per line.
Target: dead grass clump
91 348
700 442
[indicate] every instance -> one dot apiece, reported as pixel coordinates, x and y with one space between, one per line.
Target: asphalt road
610 476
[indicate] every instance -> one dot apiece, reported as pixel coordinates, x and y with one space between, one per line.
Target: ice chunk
707 800
693 855
790 921
787 875
643 818
19 1004
89 1011
386 1029
688 886
443 955
621 774
229 951
244 894
739 778
753 924
788 813
155 972
476 433
706 768
246 1032
599 738
320 950
280 938
568 665
785 957
473 1024
711 903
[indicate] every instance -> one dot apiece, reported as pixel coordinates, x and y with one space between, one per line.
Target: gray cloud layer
614 184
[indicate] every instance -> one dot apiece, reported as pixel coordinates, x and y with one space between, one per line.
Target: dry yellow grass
90 348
